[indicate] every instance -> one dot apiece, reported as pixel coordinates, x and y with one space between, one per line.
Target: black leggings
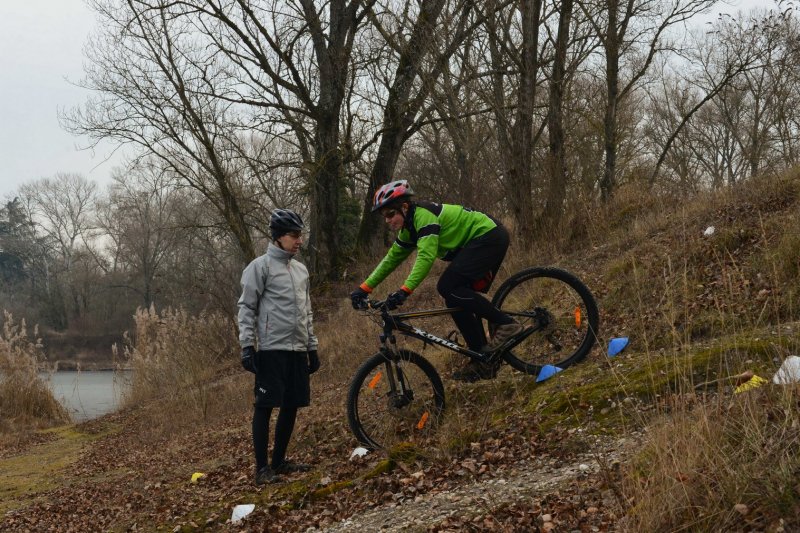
480 258
283 432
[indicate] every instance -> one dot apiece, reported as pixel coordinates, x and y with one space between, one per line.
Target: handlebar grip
375 304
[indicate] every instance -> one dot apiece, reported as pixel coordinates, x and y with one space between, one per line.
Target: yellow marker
751 383
577 317
423 420
196 476
374 381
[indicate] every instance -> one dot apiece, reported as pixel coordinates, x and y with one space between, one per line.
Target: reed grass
26 401
184 368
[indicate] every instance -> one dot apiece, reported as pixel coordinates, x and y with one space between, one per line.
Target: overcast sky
41 43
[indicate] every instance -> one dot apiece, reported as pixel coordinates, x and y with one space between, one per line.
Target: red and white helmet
391 193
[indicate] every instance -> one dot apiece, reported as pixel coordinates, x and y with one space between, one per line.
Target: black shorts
476 264
282 379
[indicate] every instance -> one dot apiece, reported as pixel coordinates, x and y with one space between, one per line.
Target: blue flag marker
547 372
616 345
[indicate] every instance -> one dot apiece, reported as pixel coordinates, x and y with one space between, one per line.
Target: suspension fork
389 342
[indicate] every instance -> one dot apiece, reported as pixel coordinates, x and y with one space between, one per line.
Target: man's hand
396 299
249 359
359 298
313 361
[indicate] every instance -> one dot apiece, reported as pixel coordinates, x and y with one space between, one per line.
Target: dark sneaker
289 467
474 371
266 475
502 334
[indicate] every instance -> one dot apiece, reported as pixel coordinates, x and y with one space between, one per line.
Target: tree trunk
557 166
333 53
325 184
370 231
398 116
519 178
233 216
609 181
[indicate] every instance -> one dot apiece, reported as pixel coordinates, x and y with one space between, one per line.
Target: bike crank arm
513 341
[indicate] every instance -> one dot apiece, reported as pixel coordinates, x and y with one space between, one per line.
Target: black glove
359 298
249 359
396 299
313 361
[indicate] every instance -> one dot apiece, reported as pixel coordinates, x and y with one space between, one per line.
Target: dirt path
520 482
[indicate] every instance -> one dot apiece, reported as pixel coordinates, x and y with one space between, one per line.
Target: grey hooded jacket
275 307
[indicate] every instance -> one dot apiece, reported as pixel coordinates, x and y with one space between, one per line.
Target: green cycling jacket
434 230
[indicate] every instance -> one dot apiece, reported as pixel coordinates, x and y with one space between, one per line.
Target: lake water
86 394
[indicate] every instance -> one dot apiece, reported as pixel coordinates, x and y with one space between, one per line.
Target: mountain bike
397 395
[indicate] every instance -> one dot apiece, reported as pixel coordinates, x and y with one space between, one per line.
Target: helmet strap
405 207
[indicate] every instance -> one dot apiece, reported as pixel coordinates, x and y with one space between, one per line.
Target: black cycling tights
457 292
283 432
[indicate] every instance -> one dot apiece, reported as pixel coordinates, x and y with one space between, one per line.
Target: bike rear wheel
394 398
561 311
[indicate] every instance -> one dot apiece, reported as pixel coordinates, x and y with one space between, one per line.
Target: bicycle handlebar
376 304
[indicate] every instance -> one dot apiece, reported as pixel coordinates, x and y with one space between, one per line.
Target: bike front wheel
393 399
560 314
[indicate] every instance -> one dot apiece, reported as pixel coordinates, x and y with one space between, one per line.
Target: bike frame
396 322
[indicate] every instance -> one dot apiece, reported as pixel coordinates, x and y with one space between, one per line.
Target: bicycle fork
394 375
400 393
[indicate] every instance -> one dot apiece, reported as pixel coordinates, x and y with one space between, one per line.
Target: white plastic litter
240 511
359 452
789 372
709 231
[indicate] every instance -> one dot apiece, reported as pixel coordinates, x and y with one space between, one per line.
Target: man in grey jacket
275 312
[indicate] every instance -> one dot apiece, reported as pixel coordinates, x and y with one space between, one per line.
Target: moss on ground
604 394
37 470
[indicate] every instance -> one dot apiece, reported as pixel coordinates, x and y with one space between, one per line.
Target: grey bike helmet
283 221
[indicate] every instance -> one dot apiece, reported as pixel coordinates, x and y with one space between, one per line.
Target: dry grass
730 465
718 461
185 369
25 400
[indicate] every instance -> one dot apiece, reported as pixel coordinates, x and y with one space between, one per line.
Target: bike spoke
405 414
558 314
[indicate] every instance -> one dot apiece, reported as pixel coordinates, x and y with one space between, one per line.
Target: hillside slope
608 444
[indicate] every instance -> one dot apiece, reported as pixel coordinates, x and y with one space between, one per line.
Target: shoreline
73 366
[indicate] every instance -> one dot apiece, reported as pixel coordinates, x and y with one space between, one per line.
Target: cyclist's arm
312 338
252 289
427 246
401 248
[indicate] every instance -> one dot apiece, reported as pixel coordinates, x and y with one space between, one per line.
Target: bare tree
633 33
154 78
745 78
143 209
720 58
267 44
458 142
509 57
420 54
61 208
555 121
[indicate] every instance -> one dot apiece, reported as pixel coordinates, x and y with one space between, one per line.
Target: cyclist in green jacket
474 243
